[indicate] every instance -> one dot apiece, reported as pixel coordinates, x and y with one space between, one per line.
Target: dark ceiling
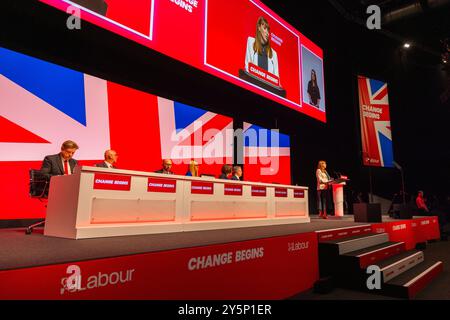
424 23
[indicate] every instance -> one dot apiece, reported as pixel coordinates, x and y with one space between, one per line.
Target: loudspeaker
402 211
367 212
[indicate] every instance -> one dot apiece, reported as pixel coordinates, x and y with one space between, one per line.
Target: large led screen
241 41
43 104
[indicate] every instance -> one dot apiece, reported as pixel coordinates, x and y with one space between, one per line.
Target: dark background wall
416 80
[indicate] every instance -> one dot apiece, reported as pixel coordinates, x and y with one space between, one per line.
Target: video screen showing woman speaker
312 75
246 41
261 60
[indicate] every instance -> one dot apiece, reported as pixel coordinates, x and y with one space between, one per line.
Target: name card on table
259 191
198 187
162 185
281 192
104 181
232 190
299 193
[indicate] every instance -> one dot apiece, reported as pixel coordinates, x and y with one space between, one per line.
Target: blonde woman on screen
259 51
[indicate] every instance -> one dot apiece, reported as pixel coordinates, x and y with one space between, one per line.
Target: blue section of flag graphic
375 85
256 136
58 86
185 115
386 150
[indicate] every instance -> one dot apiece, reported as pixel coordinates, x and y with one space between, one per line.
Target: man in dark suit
110 159
61 163
237 173
166 166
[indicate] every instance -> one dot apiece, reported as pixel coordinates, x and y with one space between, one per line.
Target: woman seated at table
226 171
193 169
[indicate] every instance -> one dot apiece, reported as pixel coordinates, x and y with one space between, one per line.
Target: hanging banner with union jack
375 120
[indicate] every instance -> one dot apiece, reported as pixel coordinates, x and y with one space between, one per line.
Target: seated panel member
61 163
166 166
110 159
226 171
424 210
193 169
421 205
237 173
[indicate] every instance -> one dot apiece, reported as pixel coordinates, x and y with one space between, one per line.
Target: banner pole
403 187
370 184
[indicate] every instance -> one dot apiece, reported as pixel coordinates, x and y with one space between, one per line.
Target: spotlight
406 45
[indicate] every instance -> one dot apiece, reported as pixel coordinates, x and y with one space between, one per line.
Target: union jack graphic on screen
267 155
192 133
43 104
376 134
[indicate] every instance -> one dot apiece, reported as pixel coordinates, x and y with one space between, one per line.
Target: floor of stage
18 250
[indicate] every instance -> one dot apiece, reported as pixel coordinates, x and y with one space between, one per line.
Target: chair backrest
39 184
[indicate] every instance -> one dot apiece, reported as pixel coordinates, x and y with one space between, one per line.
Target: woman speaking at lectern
323 189
259 51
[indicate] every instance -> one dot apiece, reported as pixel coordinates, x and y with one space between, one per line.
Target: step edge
343 248
335 229
376 250
373 235
415 279
407 267
400 261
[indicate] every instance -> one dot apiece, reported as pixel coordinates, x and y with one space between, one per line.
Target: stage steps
345 245
394 266
403 273
414 280
368 256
